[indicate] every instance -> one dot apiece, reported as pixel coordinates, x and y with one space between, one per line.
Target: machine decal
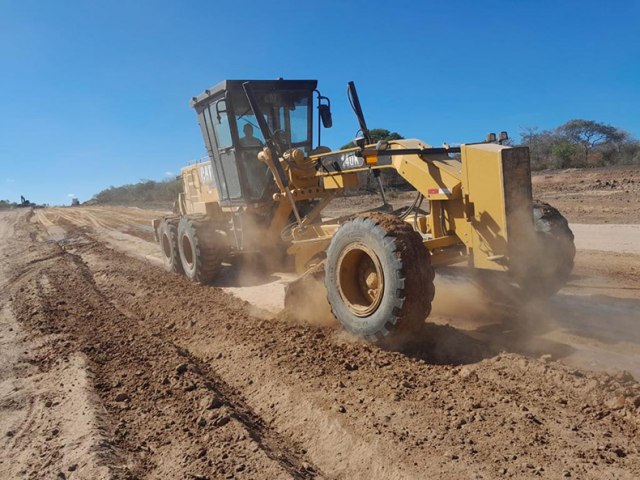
350 160
206 175
439 191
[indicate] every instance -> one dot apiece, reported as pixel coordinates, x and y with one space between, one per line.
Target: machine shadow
466 326
605 318
243 276
449 345
441 345
498 328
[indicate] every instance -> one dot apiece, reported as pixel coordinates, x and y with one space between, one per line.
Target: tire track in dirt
310 383
270 441
48 425
338 449
114 345
349 409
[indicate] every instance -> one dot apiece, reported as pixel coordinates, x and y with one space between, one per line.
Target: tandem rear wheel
192 246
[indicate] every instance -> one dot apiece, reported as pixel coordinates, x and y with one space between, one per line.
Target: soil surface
112 368
594 195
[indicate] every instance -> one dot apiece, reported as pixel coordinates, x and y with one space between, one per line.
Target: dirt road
114 369
594 323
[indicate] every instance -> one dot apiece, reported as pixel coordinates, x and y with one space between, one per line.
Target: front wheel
378 276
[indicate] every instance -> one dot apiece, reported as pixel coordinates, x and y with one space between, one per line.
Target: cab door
216 130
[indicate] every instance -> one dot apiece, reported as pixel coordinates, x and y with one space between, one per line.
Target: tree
541 147
590 134
629 153
564 152
573 143
378 134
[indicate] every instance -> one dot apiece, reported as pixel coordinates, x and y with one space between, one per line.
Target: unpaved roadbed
608 237
184 382
592 324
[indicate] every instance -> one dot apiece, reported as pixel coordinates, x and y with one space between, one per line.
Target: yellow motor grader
265 186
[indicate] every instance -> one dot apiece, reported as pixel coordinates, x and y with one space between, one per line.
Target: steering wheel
280 137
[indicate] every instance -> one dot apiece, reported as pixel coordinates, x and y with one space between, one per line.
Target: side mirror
324 112
325 115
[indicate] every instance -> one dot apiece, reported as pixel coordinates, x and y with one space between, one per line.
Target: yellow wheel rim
360 279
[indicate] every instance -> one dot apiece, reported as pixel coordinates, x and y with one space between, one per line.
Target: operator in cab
255 170
249 140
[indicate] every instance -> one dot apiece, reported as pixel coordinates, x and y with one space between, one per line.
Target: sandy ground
112 368
48 416
607 238
595 195
603 338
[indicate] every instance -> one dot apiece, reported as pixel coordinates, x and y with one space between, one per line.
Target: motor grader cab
264 189
233 137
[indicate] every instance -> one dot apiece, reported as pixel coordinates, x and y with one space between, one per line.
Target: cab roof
280 84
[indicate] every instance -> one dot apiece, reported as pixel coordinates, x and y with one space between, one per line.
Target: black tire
168 237
539 268
201 249
365 248
554 254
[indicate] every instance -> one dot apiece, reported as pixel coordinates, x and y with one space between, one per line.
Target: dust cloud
306 300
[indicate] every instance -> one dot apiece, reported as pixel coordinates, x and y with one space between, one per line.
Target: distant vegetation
145 192
580 143
6 204
577 144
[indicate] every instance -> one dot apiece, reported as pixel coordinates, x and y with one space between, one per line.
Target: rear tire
201 249
168 235
541 268
378 276
555 253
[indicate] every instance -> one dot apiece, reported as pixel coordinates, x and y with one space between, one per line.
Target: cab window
299 119
221 127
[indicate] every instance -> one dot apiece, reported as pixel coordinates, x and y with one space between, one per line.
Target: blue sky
94 94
